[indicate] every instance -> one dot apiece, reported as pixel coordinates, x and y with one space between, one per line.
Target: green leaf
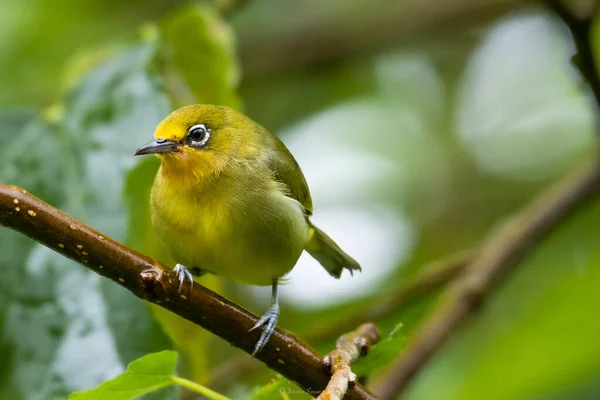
58 317
145 375
279 388
381 353
201 64
271 390
31 320
112 111
13 122
24 155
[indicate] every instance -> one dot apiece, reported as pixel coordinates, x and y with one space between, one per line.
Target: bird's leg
269 320
183 274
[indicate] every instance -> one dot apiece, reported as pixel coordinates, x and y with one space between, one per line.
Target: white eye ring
205 135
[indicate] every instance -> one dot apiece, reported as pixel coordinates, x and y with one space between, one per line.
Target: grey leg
269 320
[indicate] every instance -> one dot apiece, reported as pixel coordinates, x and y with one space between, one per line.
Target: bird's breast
241 227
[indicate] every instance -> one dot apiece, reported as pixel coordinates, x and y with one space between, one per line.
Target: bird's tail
329 254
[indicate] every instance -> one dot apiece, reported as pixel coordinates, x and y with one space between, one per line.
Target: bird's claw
269 320
182 275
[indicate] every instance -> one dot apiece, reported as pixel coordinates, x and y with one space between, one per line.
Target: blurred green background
418 124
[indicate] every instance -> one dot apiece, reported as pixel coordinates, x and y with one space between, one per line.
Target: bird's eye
198 135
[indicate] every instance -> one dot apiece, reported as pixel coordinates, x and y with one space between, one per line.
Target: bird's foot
269 320
183 274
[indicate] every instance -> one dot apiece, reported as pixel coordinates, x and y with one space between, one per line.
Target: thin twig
349 347
154 282
498 256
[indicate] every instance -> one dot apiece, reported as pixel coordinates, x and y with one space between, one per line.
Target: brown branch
498 256
348 348
154 282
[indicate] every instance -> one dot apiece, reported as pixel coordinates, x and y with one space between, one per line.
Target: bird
230 199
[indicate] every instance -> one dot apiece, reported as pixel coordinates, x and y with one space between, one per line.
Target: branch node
151 281
471 292
327 362
363 345
349 347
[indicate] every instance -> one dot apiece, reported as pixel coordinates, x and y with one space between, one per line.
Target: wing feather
286 170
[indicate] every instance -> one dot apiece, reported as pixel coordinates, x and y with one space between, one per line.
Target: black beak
156 146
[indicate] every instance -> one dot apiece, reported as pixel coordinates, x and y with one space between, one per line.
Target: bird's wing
286 170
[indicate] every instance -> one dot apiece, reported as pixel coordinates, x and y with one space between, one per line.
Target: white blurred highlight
521 112
377 239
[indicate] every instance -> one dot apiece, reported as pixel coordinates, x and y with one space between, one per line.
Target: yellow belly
247 231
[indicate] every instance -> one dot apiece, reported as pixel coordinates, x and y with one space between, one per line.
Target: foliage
90 156
91 137
411 155
210 72
145 375
279 388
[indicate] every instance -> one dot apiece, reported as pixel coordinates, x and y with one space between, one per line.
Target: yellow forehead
175 126
170 130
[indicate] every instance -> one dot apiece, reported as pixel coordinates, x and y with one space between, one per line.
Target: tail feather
329 254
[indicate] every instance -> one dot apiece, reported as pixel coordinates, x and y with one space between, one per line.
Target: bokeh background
419 126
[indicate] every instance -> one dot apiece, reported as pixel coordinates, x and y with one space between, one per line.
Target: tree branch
154 282
497 257
349 347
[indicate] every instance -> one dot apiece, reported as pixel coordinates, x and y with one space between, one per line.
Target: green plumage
318 244
237 206
328 253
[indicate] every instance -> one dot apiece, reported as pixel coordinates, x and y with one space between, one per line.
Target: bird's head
198 140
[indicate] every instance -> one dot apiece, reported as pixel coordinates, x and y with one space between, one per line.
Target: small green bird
230 199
